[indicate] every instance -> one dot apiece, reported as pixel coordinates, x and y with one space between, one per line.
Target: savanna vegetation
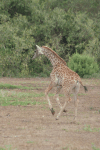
68 27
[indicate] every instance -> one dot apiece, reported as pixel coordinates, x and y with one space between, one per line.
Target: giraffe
62 77
55 59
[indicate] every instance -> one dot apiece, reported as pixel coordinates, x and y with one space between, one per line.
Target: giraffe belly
58 80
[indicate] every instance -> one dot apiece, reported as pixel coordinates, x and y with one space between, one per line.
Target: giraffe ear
39 49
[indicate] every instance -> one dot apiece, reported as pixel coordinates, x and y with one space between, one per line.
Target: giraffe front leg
50 106
46 93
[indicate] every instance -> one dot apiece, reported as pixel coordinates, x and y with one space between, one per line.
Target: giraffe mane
54 54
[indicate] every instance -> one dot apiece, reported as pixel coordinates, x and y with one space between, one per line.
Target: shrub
82 64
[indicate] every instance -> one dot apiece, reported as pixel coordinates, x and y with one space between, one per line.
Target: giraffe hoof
64 110
52 111
57 118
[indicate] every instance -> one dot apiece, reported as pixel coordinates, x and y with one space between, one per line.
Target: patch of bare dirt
34 127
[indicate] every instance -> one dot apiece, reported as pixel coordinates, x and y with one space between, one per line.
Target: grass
9 86
62 95
91 108
89 129
95 75
65 148
65 130
30 142
8 147
81 94
21 98
94 147
51 94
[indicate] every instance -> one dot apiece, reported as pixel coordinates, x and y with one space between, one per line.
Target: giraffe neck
52 56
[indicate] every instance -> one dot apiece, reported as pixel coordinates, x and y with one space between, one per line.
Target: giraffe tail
85 88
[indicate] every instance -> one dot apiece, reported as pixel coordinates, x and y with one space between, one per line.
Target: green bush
82 64
63 26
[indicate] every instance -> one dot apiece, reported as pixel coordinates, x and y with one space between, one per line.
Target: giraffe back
63 75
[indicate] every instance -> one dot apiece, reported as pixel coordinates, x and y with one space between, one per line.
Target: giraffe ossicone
62 77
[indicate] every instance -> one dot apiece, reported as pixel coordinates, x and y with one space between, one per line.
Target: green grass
62 95
9 86
2 148
65 148
8 147
20 98
95 75
65 130
89 129
81 94
51 94
94 147
30 142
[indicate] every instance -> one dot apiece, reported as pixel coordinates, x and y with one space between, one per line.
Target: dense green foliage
83 65
65 26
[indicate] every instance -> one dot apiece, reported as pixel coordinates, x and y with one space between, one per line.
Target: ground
33 127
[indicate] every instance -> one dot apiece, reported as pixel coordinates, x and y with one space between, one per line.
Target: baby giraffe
61 77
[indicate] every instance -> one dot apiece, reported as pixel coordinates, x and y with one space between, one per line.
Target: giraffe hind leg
57 97
76 101
66 93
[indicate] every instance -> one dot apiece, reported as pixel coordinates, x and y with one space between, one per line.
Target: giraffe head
38 52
